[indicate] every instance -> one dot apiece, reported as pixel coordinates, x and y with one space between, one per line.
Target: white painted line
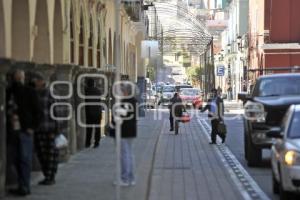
238 167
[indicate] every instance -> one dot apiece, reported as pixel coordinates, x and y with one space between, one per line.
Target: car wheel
245 146
283 194
275 184
254 154
246 131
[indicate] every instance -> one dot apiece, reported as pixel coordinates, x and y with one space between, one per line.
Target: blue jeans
23 160
127 160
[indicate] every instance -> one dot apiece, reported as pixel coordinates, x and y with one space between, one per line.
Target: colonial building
67 38
233 55
274 36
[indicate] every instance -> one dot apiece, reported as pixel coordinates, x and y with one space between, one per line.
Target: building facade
65 39
233 55
274 36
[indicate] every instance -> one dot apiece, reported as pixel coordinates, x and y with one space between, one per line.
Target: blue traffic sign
220 70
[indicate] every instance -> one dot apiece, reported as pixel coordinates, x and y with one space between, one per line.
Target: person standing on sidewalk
128 113
215 106
229 93
22 120
176 109
93 114
46 133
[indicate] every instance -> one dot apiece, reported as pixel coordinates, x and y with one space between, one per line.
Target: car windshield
279 86
190 92
179 87
169 89
294 131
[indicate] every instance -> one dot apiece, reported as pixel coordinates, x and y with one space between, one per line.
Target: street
85 88
262 175
167 166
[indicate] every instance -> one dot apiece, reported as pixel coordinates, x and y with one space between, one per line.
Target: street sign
220 70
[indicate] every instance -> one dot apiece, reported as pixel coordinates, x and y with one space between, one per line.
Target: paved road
187 167
168 167
235 142
262 175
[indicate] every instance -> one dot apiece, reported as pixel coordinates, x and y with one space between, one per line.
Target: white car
285 154
151 99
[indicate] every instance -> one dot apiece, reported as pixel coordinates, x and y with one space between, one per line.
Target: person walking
128 113
22 120
176 109
93 114
215 106
229 93
46 133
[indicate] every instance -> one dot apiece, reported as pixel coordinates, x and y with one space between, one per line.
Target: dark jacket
129 126
176 106
47 123
94 112
26 106
219 110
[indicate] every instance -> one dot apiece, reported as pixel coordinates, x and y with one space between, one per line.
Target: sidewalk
169 167
89 174
187 167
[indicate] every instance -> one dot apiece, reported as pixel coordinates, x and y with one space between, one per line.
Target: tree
194 74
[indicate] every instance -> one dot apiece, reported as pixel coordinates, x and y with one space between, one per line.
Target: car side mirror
274 132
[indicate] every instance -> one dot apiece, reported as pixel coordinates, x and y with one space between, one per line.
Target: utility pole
212 62
118 100
162 43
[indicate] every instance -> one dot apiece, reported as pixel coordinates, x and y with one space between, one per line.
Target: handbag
185 118
222 129
61 141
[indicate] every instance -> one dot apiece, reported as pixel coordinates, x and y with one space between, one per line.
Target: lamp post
117 99
228 48
239 43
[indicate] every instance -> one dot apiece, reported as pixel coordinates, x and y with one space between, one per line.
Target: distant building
274 35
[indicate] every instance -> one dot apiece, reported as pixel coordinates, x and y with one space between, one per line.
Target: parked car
191 97
148 84
285 154
166 94
264 109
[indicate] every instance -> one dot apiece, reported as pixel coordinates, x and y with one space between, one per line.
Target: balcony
133 9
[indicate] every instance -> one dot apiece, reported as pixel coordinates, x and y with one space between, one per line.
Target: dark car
166 94
264 109
179 87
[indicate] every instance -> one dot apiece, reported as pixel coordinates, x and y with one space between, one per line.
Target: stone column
4 67
64 73
141 83
81 132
